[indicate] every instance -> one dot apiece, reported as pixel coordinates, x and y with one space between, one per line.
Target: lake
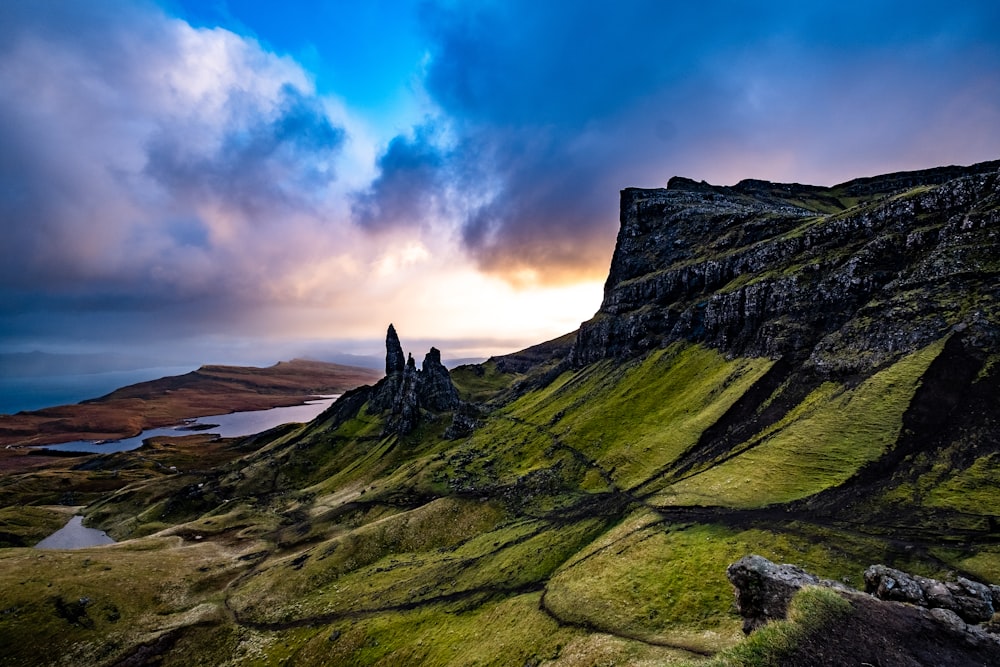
232 425
74 535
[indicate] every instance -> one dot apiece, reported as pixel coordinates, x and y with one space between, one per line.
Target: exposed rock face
763 589
935 627
970 600
843 279
405 391
404 412
437 392
394 359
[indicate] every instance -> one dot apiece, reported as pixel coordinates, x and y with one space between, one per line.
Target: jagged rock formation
763 589
972 601
395 362
927 629
845 279
405 391
436 390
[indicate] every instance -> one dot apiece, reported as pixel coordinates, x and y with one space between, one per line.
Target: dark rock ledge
902 619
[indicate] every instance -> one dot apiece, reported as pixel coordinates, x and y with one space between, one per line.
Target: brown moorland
207 391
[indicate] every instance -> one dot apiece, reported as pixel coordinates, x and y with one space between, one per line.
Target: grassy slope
818 445
520 543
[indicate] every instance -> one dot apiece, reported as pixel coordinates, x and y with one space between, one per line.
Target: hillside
804 373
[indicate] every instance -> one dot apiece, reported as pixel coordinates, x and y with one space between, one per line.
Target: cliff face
842 280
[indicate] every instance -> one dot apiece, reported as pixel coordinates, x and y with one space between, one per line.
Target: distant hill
208 390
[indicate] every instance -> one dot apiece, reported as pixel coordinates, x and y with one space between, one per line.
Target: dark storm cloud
412 184
554 108
269 162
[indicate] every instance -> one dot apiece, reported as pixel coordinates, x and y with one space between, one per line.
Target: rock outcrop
395 362
973 602
763 589
405 392
841 279
909 621
436 390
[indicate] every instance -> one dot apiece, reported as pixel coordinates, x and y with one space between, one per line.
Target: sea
33 393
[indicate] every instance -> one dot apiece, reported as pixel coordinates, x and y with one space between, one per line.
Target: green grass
983 563
974 490
667 583
636 418
131 592
812 610
819 444
481 382
26 526
405 560
511 631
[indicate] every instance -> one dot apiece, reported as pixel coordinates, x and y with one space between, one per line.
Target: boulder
763 589
435 388
908 619
970 600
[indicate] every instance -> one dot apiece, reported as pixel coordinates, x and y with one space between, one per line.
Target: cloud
411 187
138 151
551 111
265 161
162 180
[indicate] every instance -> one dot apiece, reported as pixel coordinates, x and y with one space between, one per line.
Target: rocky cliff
843 279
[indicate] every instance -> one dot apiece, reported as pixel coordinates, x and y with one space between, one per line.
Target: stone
950 620
405 411
406 392
762 269
462 426
970 600
887 583
394 360
763 589
436 390
995 596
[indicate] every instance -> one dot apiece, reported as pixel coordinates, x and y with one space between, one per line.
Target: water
74 535
233 425
35 393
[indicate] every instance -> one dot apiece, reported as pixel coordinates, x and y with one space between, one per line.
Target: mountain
799 372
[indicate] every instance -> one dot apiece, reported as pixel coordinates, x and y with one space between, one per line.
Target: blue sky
245 181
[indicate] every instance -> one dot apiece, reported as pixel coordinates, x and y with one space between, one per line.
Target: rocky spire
405 392
437 392
394 359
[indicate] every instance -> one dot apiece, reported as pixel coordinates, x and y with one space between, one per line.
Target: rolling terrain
805 373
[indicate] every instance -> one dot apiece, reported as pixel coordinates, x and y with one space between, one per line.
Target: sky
239 181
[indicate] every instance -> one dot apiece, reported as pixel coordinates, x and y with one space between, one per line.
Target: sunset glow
186 178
